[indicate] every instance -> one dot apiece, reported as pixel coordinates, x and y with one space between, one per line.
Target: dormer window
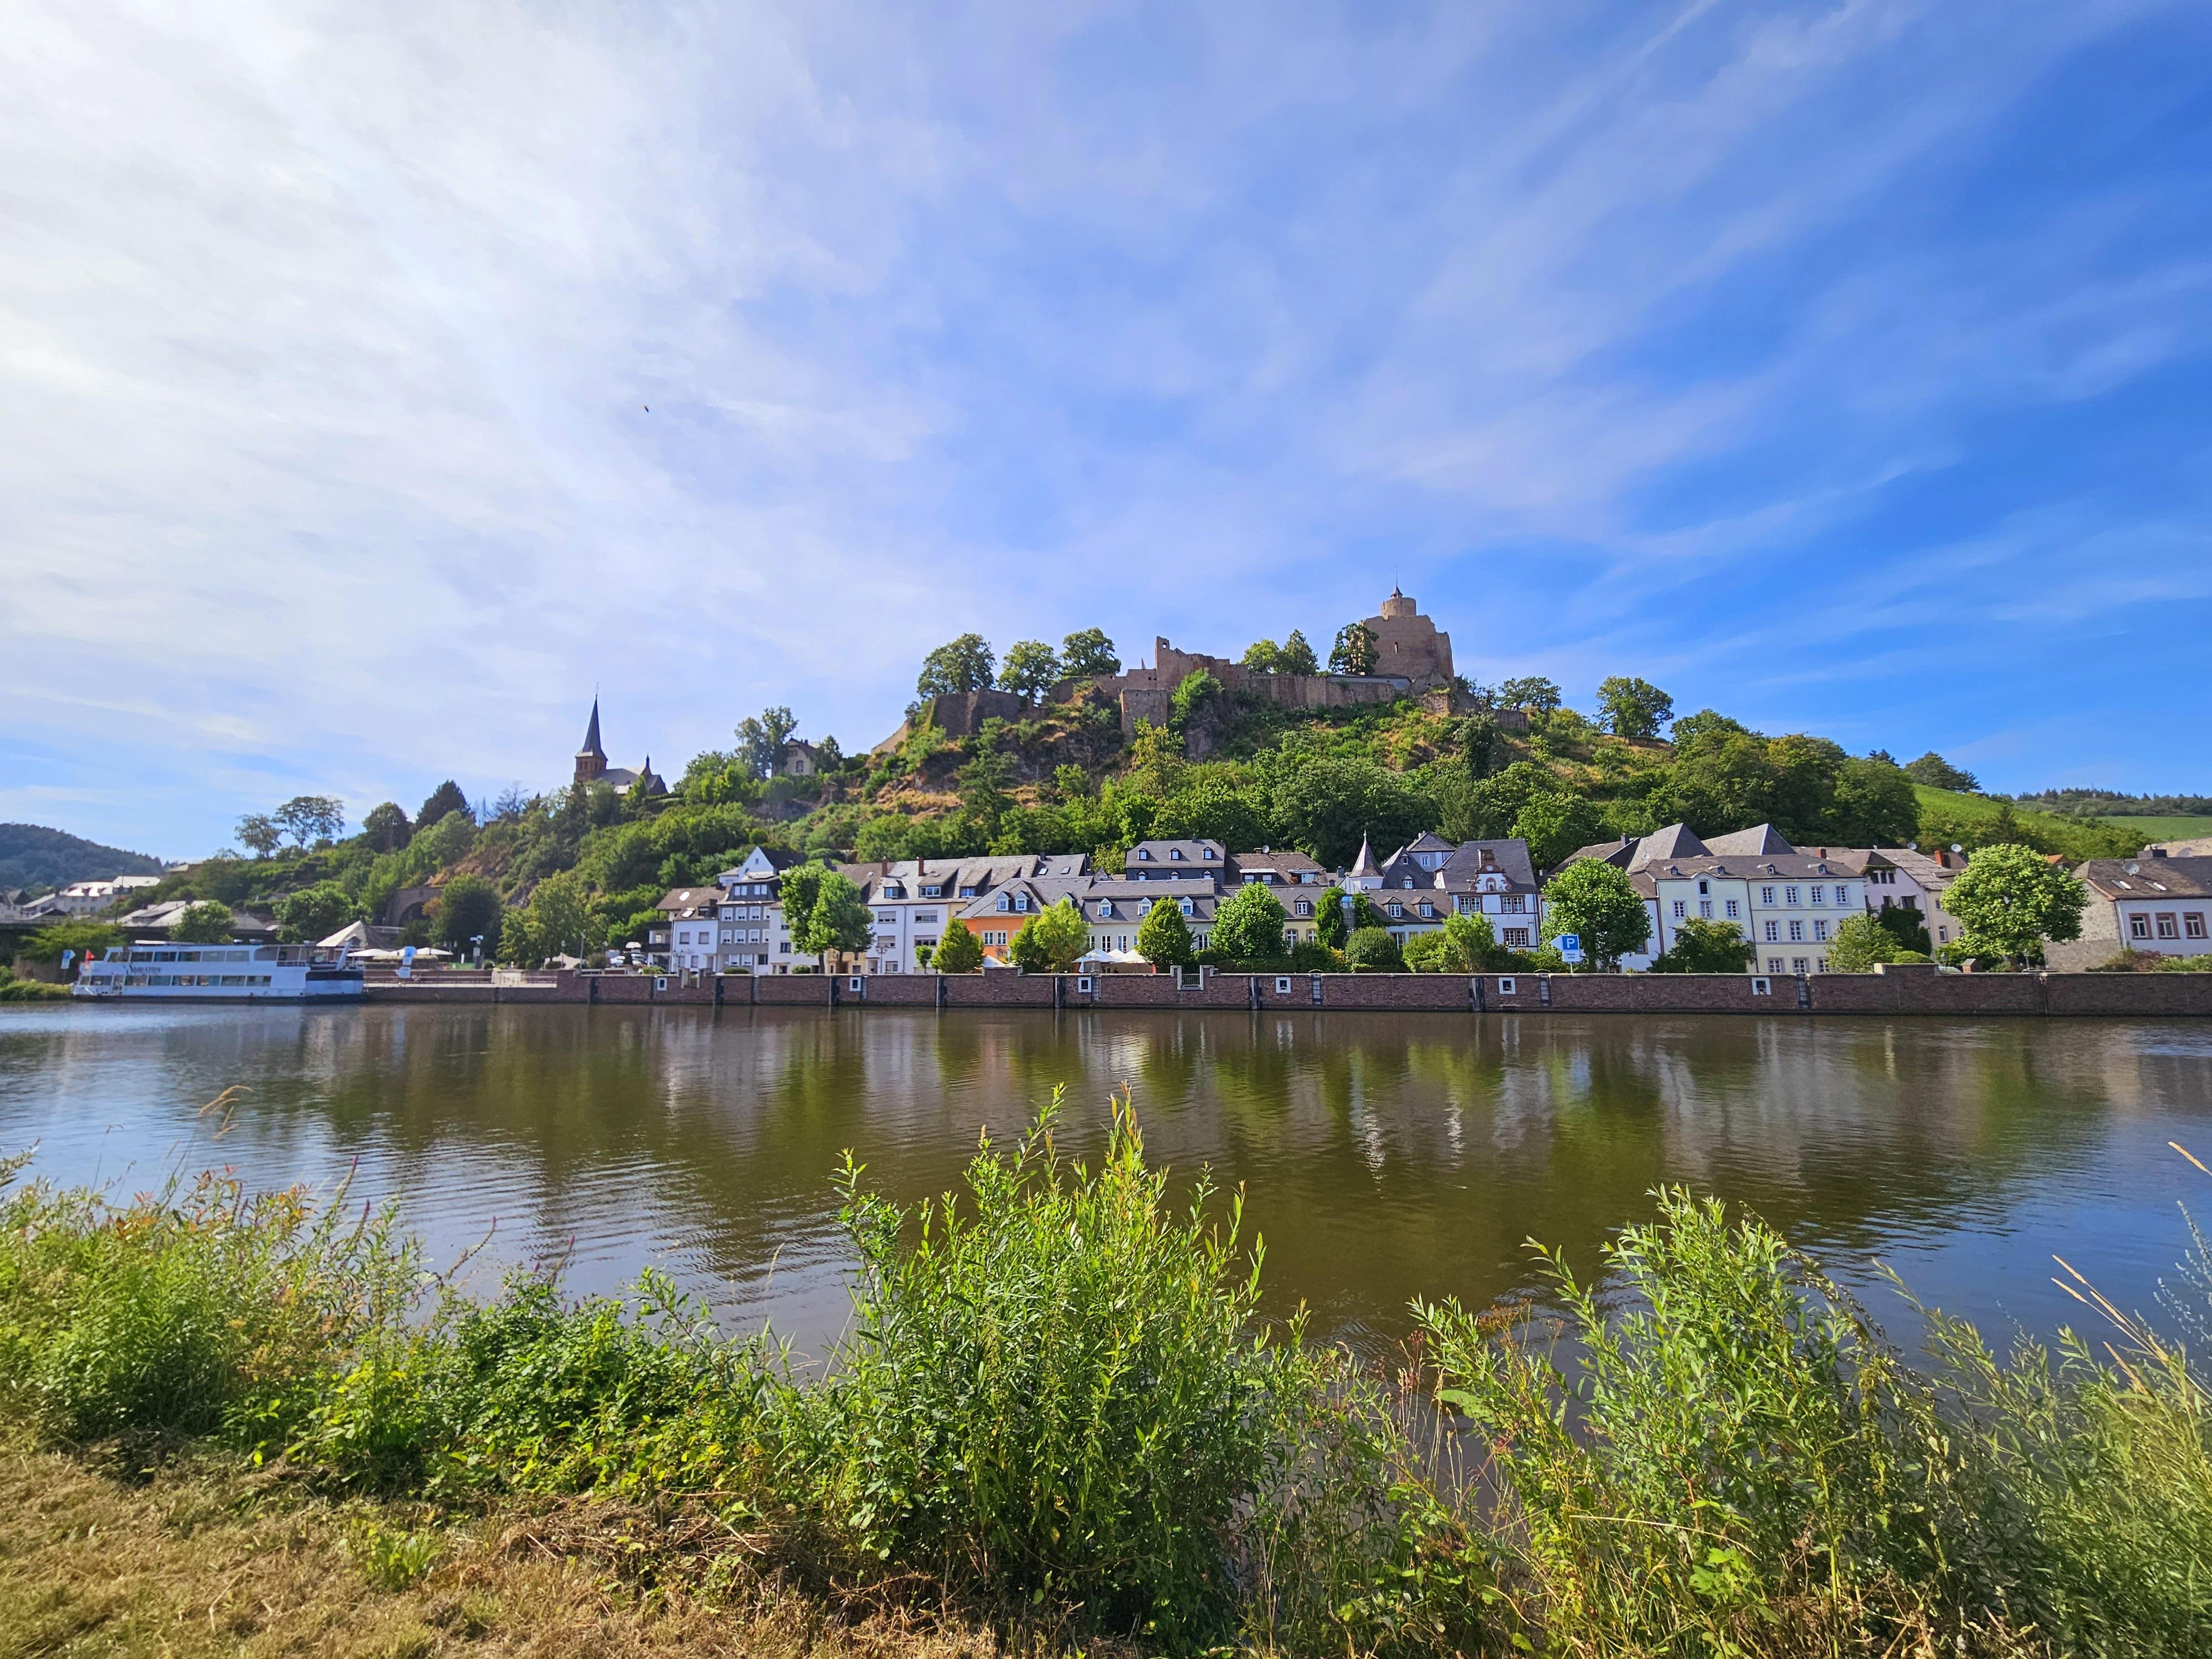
1175 855
967 892
1005 902
1021 901
1206 853
1187 907
1396 908
1705 887
1428 910
1105 909
933 892
1407 882
1144 855
1144 906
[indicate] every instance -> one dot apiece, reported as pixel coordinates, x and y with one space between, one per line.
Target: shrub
1372 950
959 952
1057 1387
1164 936
1704 946
1248 924
205 923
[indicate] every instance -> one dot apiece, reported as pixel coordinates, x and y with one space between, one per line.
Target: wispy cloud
1697 338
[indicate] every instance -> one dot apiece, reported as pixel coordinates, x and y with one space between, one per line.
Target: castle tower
591 759
1407 643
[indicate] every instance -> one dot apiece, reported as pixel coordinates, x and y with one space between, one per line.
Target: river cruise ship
218 973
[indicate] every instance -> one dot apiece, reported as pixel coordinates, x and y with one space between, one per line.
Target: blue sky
1843 366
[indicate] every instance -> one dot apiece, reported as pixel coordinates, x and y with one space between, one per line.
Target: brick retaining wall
1971 995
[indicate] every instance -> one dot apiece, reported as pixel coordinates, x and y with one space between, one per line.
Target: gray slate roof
2149 878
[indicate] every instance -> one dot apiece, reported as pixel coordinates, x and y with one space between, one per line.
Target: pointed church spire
592 733
1364 864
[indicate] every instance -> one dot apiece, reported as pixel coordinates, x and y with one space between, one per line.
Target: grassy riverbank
246 1421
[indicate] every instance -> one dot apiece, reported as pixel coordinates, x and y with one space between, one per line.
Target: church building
592 765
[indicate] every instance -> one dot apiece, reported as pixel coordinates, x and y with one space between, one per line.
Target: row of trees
1030 669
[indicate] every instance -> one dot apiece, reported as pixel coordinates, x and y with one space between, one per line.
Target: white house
2154 903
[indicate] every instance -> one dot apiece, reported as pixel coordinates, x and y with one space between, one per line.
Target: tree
1908 927
760 742
1472 944
1030 670
1533 692
87 938
259 833
1864 941
825 913
1051 941
1261 656
446 798
311 818
958 952
315 913
2010 899
1555 824
1873 805
1296 657
1372 950
1599 905
1633 707
1327 803
559 917
1087 654
1354 652
1936 773
961 664
1705 946
1164 936
205 923
1248 926
1330 927
1194 697
386 828
1428 952
469 907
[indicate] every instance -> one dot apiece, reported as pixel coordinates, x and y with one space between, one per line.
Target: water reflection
1382 1157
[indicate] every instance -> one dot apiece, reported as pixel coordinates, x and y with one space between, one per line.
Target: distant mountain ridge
34 856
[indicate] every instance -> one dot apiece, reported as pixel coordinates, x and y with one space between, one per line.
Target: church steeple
591 759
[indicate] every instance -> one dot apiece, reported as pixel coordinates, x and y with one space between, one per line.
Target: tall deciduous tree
1296 656
1088 652
1052 941
315 913
469 908
1633 707
1354 652
1263 656
1932 769
1031 668
310 819
387 827
1532 692
260 834
2010 899
1164 936
961 664
1247 925
761 740
560 919
830 920
204 923
1555 823
1599 905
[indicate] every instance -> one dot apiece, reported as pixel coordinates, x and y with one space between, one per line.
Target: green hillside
39 859
2162 829
1947 816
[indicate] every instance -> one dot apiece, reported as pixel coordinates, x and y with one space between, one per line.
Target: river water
1384 1156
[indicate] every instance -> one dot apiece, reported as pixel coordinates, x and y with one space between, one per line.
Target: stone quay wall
2139 996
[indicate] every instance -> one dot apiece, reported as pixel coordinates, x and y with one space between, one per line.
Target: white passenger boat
218 973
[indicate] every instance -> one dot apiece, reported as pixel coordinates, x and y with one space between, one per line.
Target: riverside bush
1059 1397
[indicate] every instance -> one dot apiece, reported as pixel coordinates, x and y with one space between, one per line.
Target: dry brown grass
190 1559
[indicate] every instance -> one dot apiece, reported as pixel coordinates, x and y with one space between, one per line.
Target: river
1382 1157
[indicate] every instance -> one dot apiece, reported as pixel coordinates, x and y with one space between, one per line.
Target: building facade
2161 905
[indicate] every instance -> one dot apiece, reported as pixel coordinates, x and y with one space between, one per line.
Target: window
1773 933
1187 907
1843 896
1706 909
1021 901
925 916
1407 882
1767 895
1821 966
1796 930
2138 926
1820 896
1515 904
2169 925
1006 902
1789 896
1821 929
1282 985
1396 908
1681 910
2192 925
1427 908
1305 907
1732 909
1517 937
1796 964
1764 987
967 892
1144 855
1105 909
887 917
1505 988
1774 964
1206 852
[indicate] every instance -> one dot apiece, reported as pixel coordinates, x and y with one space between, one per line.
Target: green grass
1946 816
2161 828
1060 1413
